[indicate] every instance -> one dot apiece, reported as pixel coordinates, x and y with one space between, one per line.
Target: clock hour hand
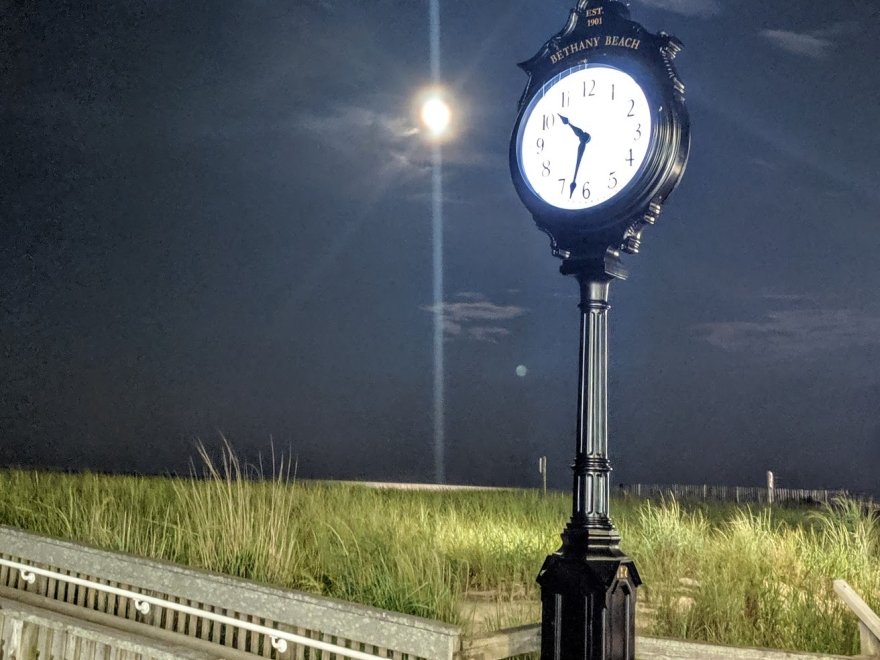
583 138
582 135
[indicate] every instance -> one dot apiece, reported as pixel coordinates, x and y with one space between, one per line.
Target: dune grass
718 573
753 579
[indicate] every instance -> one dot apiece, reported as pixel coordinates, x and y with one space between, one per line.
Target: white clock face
584 136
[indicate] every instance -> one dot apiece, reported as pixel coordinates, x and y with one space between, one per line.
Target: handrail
142 602
869 622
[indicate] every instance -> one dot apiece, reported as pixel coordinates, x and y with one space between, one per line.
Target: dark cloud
700 8
799 43
795 333
468 318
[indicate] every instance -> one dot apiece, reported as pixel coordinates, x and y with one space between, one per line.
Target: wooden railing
144 603
869 623
214 605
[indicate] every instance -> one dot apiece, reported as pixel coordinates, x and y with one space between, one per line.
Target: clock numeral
545 168
612 91
562 186
592 91
632 106
585 191
540 145
566 99
638 133
612 181
549 121
630 159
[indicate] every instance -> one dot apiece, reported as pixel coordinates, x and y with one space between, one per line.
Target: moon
521 371
436 115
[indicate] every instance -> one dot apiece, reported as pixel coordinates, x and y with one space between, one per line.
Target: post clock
600 141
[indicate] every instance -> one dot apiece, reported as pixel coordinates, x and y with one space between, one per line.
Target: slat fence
744 494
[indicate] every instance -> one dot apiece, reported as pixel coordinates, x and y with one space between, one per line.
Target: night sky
215 217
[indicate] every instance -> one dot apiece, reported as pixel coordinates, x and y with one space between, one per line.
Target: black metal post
588 586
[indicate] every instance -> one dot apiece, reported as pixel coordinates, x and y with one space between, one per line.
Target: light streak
437 238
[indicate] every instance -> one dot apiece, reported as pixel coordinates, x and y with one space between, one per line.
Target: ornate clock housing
602 134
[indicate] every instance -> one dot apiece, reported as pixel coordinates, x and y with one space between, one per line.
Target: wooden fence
742 494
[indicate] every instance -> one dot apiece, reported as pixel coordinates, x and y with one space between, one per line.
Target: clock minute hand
583 138
577 166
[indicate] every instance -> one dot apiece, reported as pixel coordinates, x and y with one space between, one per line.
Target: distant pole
770 487
542 469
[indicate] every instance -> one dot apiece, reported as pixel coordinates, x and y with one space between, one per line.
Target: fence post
770 487
542 468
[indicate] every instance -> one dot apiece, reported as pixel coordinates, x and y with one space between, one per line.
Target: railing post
869 644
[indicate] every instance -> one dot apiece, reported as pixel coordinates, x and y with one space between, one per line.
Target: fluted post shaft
590 527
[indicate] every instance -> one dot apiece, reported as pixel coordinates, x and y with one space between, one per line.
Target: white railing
142 602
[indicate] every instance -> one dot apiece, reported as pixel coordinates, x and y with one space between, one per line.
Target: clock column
592 469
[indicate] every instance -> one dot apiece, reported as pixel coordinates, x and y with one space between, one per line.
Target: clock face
584 136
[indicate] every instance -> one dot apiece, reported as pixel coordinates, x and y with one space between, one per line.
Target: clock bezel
659 172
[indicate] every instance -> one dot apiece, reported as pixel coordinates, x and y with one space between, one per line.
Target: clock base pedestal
588 607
